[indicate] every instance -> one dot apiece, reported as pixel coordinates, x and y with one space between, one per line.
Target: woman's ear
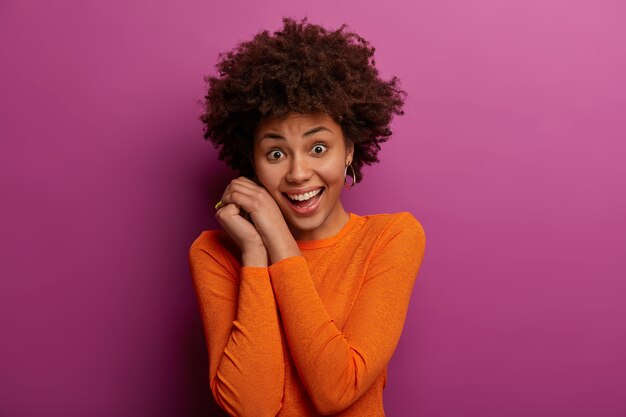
349 153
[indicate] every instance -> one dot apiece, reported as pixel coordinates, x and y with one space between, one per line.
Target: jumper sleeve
337 367
240 320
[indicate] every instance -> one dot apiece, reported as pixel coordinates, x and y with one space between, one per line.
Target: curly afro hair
302 68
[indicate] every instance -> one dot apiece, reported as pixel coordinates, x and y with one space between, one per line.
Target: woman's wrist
283 249
254 256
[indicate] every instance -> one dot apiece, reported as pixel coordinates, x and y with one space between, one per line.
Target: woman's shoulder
215 244
399 229
207 239
393 222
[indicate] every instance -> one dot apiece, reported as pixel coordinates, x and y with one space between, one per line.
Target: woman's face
303 157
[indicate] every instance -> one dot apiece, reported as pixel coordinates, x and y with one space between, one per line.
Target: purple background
511 154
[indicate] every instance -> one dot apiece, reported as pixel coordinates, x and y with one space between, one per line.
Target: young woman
302 302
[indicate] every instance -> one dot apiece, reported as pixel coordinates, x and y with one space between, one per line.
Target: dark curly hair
302 68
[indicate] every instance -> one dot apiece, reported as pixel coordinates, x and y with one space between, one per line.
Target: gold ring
218 205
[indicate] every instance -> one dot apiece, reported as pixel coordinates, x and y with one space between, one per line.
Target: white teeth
305 196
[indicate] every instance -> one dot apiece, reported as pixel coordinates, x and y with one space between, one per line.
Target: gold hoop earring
345 176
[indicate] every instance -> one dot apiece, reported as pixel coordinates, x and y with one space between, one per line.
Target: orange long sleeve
246 366
342 308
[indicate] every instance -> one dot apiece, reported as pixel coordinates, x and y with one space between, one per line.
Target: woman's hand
265 215
245 235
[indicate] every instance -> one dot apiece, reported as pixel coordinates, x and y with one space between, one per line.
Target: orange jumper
309 335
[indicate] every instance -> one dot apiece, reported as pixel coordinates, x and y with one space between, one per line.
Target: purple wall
511 154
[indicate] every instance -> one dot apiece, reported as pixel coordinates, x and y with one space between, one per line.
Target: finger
246 182
243 200
255 181
243 195
236 226
229 209
240 186
231 212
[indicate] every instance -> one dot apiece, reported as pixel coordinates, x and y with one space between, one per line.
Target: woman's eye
275 154
319 148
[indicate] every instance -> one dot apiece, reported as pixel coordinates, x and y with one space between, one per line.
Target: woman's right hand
245 235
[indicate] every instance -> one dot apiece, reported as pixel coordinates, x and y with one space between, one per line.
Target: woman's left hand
265 215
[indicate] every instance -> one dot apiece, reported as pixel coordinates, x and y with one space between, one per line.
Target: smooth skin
301 151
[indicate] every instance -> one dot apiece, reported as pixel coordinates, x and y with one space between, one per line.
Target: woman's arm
240 320
336 366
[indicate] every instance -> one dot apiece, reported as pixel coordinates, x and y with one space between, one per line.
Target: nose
299 170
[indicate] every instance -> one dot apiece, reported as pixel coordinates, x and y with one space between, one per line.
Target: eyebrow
307 133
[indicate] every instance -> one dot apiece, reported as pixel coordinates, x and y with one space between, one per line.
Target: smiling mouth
303 204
